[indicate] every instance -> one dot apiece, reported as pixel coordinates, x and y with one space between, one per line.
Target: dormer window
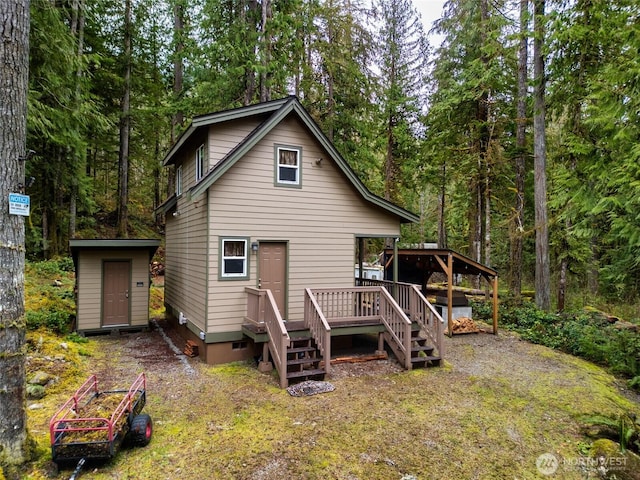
200 162
288 165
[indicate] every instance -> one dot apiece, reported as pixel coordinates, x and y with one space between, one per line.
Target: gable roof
275 112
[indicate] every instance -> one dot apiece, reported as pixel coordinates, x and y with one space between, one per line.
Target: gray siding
320 222
186 258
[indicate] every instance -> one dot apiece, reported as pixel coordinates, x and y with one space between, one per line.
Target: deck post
265 365
380 343
395 267
450 294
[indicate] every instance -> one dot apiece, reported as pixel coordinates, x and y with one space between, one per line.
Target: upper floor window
288 165
234 258
200 160
179 181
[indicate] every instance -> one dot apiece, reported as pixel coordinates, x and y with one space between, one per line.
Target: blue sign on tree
19 204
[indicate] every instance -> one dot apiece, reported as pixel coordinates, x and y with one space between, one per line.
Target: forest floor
500 408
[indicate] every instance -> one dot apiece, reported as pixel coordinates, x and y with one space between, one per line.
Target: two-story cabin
261 236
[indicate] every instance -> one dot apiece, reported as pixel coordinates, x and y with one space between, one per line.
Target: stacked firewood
191 349
157 269
464 325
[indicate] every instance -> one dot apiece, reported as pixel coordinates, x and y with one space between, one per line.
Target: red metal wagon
93 424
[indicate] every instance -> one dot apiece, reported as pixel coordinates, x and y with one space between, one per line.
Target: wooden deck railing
324 307
317 324
348 304
424 314
397 323
279 339
367 304
417 307
255 305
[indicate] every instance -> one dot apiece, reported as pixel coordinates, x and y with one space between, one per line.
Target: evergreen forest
515 136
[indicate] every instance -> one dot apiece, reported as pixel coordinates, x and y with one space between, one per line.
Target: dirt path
483 355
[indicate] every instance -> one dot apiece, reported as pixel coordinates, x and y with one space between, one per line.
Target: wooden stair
421 353
303 360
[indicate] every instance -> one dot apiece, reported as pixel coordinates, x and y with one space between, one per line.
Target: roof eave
220 117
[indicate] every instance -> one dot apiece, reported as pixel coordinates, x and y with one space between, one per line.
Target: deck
406 322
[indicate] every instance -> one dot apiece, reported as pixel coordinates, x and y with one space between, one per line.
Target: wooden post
265 364
380 343
495 305
450 294
395 267
448 269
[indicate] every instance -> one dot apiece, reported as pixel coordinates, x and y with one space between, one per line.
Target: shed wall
89 281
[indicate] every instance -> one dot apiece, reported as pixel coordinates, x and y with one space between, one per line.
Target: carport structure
417 265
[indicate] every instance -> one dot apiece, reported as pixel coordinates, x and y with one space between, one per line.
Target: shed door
115 293
273 272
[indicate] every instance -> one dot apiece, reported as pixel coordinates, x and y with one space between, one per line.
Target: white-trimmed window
234 258
179 180
288 163
200 162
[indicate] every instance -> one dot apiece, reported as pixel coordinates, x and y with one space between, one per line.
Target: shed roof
150 244
417 262
273 113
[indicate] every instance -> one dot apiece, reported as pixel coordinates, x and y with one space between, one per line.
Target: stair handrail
397 323
427 317
279 339
319 327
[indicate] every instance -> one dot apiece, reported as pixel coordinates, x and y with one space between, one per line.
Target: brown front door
115 293
273 272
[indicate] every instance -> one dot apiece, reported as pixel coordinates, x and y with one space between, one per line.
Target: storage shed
112 283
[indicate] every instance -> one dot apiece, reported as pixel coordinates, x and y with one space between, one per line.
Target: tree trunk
14 74
390 186
442 198
125 129
487 215
543 277
477 226
248 14
178 66
265 40
77 30
178 81
481 237
517 224
562 283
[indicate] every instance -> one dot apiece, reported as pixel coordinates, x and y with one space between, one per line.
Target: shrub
52 307
56 321
51 268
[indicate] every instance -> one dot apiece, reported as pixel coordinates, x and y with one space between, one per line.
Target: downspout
395 266
360 260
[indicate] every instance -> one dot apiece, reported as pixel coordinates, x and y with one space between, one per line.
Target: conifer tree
402 58
14 71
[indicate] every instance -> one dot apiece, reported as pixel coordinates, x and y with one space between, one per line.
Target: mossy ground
480 416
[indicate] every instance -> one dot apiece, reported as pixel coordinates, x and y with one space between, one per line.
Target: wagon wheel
141 430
